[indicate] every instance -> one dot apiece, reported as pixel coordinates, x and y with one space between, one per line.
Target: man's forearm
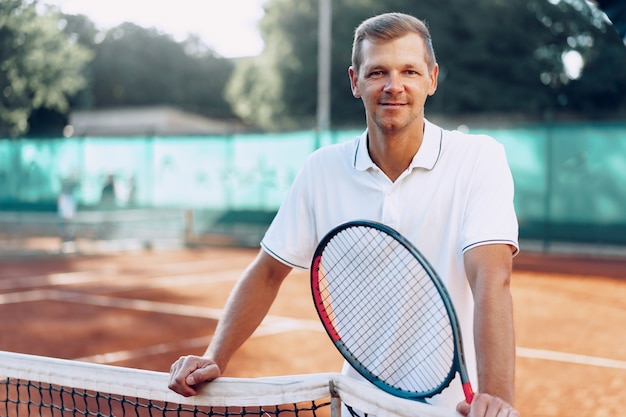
495 344
246 307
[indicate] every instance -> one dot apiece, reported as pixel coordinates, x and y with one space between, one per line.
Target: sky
229 27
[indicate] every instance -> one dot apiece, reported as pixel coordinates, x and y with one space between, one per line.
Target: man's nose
394 83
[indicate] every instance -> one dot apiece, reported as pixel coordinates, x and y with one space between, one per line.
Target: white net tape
223 392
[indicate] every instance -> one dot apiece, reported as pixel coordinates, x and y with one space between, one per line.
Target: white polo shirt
456 194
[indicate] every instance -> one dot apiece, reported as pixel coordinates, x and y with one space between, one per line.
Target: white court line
195 266
191 279
112 302
212 272
277 326
162 348
105 301
24 296
122 355
63 278
136 304
72 278
271 325
550 355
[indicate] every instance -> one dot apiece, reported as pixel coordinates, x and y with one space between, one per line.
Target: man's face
394 82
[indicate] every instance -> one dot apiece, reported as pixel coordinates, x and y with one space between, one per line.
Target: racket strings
387 303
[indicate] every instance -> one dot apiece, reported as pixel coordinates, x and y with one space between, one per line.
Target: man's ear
354 82
434 79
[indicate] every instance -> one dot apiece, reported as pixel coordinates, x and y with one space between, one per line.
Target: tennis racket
387 311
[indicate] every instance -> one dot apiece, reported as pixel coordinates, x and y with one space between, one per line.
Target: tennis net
35 385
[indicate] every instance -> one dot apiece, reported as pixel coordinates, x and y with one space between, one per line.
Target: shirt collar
426 157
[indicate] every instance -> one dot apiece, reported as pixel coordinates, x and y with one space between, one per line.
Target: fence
570 178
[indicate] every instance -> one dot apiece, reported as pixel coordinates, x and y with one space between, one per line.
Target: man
451 194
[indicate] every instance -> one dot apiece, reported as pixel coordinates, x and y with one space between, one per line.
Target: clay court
144 309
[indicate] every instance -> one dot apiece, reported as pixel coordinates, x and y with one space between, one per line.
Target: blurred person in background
108 202
66 210
108 197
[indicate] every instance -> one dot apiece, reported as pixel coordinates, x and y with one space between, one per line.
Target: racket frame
458 365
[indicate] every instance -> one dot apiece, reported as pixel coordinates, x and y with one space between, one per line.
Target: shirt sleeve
291 236
490 213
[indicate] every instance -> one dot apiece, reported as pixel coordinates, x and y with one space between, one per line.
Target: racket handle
469 392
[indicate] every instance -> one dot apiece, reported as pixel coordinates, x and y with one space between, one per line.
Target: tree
277 89
39 66
80 29
600 88
502 56
135 66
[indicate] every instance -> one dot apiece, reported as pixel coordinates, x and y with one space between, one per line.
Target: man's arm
488 269
246 307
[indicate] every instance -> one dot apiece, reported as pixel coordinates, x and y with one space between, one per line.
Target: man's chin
390 125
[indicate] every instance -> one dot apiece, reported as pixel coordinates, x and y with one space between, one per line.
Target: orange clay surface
144 309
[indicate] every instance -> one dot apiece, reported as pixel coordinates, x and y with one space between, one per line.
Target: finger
485 405
495 407
179 372
508 411
502 408
205 373
463 408
177 384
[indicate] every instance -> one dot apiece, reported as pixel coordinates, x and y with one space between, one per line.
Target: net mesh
39 386
28 398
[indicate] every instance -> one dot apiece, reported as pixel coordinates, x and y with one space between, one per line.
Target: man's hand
485 405
188 371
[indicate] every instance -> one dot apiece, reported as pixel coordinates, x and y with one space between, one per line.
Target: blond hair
390 26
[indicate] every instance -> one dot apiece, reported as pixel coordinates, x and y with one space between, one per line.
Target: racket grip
469 392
